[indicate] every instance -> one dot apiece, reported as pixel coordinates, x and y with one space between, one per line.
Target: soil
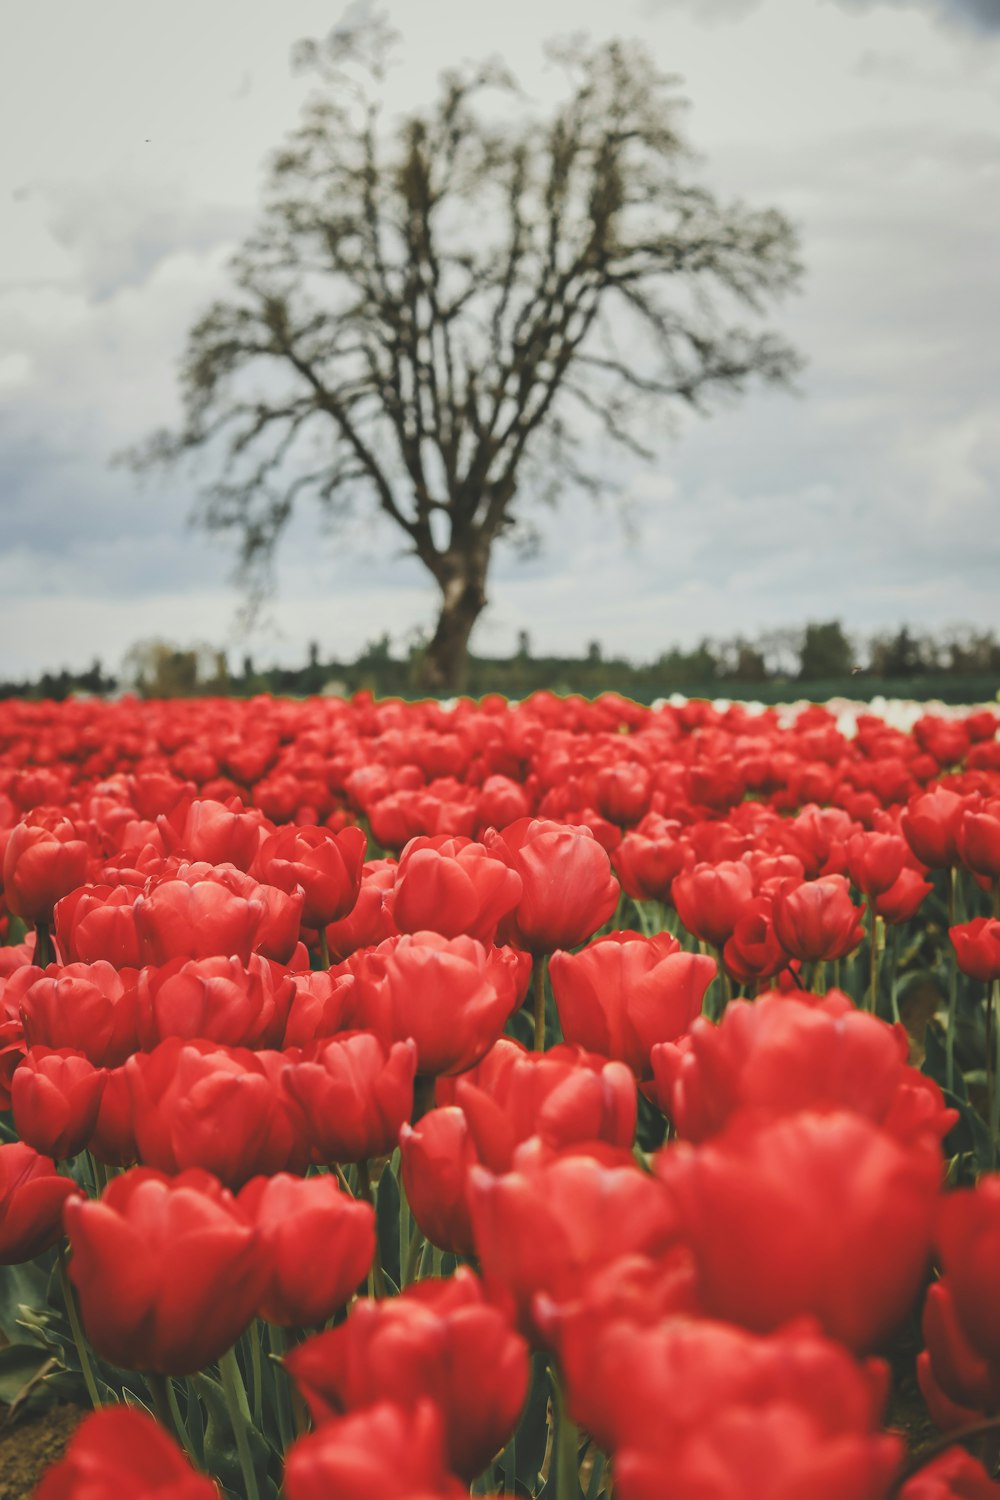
30 1445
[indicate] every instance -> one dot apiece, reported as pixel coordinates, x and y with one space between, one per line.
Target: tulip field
563 1099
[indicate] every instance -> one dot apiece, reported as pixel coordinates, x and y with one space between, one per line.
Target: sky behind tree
136 138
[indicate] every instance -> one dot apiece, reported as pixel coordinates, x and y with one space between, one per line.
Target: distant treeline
818 661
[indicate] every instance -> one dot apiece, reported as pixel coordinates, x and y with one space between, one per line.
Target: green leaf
136 1402
25 1285
23 1376
221 1456
387 1223
971 1136
532 1433
596 1476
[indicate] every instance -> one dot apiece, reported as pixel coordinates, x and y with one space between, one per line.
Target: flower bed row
398 1099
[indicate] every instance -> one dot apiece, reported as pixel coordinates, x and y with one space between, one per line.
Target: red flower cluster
236 1013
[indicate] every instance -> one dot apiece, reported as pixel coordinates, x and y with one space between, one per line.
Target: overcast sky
134 140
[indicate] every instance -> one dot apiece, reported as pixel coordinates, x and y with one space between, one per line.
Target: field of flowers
554 1100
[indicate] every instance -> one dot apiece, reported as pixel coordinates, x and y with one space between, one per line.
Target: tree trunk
445 662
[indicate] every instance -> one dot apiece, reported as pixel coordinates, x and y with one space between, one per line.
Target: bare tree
427 312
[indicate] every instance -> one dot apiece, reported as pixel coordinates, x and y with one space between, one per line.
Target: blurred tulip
826 1215
440 1340
383 1452
120 1451
816 920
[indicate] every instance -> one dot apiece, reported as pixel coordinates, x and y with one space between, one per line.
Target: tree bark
445 662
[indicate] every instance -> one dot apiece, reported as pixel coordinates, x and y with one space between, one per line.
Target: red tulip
199 1104
215 999
568 890
435 1157
440 1339
383 1452
959 1384
452 886
954 1475
97 923
815 1214
319 1007
623 993
88 1007
215 832
701 1408
710 899
352 1093
875 860
451 995
968 1239
978 839
55 1096
565 1096
977 948
903 899
120 1451
753 952
780 1055
44 860
368 923
929 823
816 919
168 1270
326 866
201 911
317 1242
649 859
32 1197
549 1227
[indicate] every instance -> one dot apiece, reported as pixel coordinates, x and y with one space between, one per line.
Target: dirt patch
30 1445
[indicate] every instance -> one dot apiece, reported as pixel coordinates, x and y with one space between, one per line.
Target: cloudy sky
134 141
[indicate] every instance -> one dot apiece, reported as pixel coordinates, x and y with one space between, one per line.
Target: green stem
413 1254
78 1339
324 948
538 989
158 1387
377 1286
725 992
566 1445
893 982
873 961
179 1425
168 1412
239 1416
423 1096
44 953
254 1334
278 1342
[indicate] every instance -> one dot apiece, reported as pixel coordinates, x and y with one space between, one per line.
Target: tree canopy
437 314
